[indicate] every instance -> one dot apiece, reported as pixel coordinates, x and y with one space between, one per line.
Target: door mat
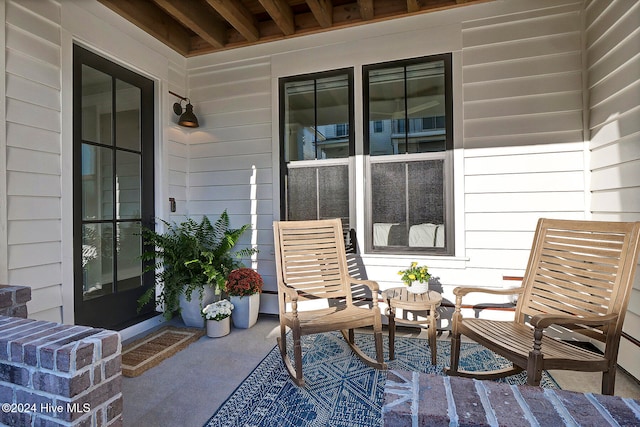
149 351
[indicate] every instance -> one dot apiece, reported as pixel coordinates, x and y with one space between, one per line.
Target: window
316 139
409 193
342 129
407 144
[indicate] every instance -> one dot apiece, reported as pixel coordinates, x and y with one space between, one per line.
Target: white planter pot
418 288
218 328
191 311
245 310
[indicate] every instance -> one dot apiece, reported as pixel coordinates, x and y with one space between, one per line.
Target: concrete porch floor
186 389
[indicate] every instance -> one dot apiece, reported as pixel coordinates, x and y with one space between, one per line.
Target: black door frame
116 310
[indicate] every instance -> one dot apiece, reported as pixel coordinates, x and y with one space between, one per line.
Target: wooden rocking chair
579 277
311 265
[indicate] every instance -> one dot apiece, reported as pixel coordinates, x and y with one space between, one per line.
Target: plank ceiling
197 27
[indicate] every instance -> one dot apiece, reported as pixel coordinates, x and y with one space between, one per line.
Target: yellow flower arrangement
415 273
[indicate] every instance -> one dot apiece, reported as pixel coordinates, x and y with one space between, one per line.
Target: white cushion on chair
381 233
422 235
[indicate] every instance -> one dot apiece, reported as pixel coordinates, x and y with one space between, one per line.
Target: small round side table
428 303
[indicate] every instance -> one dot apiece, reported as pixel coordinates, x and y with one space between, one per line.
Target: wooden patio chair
579 276
311 265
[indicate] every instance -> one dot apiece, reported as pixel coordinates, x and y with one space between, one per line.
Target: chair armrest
462 291
288 291
369 283
541 321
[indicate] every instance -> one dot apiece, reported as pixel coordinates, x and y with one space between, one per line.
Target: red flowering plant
244 281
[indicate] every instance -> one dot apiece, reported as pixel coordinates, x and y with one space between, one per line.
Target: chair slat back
581 268
310 258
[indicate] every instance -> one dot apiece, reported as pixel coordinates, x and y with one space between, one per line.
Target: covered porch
536 115
205 374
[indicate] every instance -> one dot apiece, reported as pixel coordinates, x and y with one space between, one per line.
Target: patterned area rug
340 389
149 351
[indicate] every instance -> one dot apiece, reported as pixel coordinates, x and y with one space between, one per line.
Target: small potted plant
217 315
416 277
244 286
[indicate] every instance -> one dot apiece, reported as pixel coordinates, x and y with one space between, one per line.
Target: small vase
218 328
245 310
418 288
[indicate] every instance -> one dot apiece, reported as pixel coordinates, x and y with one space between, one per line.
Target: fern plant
189 256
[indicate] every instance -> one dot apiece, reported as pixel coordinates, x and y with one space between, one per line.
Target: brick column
13 300
59 375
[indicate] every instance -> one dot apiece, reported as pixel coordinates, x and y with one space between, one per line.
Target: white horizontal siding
525 182
230 158
524 105
523 68
176 152
28 160
224 177
41 17
522 78
19 63
616 200
524 162
625 149
32 184
511 221
40 276
249 131
32 115
613 67
213 208
543 125
491 259
523 133
621 128
33 92
549 202
34 254
230 163
625 175
33 162
25 41
499 240
231 192
22 232
230 148
45 299
528 85
27 137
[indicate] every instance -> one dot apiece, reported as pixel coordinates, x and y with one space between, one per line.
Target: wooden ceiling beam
323 12
196 17
413 6
238 16
282 15
366 9
154 21
226 24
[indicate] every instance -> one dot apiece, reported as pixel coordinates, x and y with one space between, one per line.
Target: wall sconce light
187 119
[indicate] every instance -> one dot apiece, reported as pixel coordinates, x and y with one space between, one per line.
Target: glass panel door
113 164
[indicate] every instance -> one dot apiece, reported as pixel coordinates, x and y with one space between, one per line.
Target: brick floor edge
417 399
